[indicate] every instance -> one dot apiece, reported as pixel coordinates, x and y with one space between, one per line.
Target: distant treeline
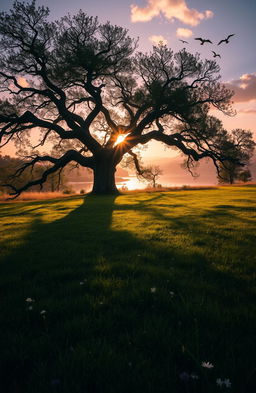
58 181
10 172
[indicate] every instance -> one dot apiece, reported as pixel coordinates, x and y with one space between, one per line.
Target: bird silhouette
203 40
184 42
216 54
226 39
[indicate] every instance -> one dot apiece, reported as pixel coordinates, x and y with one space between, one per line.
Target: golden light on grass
32 196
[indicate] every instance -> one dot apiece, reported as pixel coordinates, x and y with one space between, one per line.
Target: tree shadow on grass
118 307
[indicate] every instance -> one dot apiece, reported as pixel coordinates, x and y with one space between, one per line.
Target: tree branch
58 163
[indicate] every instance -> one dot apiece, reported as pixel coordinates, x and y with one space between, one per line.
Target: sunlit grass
138 290
32 196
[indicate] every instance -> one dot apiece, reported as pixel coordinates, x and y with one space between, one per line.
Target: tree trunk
104 178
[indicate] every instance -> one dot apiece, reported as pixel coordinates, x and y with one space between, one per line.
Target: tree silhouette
10 165
151 174
78 85
245 175
241 147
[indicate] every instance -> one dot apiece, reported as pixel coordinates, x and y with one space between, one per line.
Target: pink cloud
248 111
22 81
157 39
180 32
171 9
244 88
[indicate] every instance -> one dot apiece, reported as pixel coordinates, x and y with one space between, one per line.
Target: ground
129 293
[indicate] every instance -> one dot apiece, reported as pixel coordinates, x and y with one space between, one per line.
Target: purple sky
151 20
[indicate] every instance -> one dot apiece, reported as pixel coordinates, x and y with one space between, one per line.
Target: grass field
129 293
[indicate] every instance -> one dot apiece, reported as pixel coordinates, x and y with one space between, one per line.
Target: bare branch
58 164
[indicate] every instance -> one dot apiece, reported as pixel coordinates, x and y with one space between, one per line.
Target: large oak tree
81 84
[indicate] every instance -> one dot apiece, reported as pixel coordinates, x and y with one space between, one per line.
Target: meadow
143 292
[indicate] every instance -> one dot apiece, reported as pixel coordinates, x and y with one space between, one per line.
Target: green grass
112 334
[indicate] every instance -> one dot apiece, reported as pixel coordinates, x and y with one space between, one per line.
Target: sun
120 139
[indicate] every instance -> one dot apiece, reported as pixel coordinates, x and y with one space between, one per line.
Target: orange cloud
244 88
171 9
248 111
180 32
157 39
22 81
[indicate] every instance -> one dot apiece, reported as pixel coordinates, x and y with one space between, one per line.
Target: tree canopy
80 84
240 146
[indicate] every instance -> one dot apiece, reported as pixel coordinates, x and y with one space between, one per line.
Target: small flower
207 365
153 290
43 312
81 283
184 376
227 383
219 382
29 300
172 293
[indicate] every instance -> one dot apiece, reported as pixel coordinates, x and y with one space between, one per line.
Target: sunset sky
171 20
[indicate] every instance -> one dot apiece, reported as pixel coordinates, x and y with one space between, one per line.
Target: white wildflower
227 383
219 382
207 365
43 312
153 290
29 300
172 293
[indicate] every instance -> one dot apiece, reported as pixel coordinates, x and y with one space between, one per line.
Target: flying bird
203 40
216 54
226 39
184 42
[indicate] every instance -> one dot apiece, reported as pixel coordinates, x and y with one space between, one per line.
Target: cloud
244 88
22 81
180 32
248 111
171 9
156 39
208 14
